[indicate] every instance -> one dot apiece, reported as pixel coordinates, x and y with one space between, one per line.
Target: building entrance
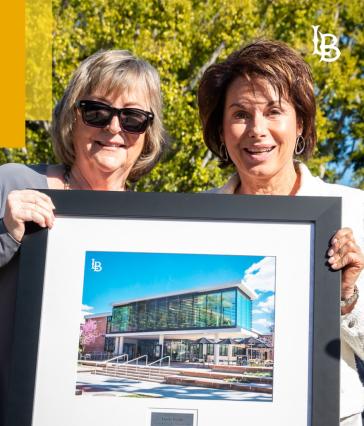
178 350
150 348
196 352
130 349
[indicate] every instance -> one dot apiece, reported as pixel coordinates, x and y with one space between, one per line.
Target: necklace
67 177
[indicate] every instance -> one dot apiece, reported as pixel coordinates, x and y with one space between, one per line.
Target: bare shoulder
55 176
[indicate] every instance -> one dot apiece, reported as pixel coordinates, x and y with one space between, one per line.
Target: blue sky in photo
111 277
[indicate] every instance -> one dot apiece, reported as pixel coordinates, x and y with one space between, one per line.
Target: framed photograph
178 309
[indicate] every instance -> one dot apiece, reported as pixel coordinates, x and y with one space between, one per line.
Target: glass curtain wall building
215 309
174 323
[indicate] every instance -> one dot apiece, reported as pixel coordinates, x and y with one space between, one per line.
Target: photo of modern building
172 324
197 335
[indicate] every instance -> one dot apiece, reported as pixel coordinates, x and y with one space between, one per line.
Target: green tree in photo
181 38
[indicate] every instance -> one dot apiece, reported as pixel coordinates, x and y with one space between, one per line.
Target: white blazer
352 324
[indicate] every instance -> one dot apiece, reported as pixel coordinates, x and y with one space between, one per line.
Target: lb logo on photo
96 265
325 50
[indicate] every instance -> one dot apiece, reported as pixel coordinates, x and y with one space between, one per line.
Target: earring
300 145
224 155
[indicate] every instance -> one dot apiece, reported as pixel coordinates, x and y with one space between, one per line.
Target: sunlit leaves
179 37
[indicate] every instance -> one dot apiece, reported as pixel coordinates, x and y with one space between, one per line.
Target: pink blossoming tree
88 333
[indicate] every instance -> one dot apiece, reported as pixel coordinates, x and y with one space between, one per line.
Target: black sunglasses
98 114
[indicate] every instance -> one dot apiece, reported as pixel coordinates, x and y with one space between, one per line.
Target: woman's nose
114 126
257 126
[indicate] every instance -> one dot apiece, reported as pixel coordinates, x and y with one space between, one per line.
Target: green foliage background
181 37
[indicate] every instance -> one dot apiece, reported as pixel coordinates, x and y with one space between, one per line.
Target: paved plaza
92 384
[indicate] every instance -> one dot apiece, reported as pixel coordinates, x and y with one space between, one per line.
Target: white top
352 324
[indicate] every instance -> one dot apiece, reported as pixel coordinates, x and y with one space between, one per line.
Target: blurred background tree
181 38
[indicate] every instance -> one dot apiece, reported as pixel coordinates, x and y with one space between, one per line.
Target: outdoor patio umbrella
253 342
227 341
204 341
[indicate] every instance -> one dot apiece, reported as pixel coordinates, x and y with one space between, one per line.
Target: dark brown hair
282 67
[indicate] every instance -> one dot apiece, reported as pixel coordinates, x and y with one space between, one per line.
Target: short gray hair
108 71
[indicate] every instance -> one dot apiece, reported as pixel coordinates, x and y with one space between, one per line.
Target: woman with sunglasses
106 131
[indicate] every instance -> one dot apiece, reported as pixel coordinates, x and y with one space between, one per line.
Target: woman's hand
27 206
346 255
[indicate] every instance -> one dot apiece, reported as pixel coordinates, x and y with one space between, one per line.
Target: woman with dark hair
258 113
106 132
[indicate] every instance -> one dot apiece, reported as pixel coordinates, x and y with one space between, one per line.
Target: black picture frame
324 213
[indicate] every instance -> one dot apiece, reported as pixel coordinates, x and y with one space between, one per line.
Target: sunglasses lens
134 121
96 116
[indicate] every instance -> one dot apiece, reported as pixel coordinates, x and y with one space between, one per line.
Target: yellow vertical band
12 105
38 59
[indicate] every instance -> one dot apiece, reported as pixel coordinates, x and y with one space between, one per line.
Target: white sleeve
352 324
352 328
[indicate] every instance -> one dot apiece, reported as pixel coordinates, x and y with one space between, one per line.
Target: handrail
160 360
112 359
137 359
160 363
109 361
137 371
117 357
137 364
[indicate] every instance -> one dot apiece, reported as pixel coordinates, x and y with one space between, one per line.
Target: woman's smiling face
109 149
259 129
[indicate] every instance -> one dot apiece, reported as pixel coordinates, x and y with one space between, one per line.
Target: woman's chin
260 170
110 161
266 176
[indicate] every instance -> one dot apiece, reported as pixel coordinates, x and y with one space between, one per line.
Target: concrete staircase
214 383
188 377
243 378
138 372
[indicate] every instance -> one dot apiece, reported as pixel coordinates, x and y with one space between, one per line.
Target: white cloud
262 321
262 325
85 310
261 275
267 306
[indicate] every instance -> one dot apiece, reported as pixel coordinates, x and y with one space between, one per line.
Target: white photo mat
55 402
